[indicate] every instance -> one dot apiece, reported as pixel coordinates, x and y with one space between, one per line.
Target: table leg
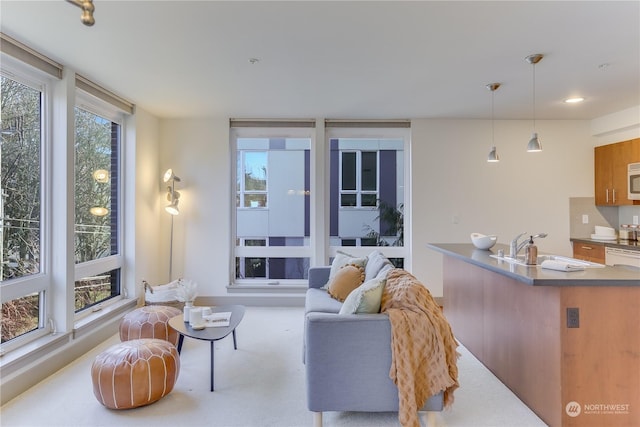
212 344
180 340
235 346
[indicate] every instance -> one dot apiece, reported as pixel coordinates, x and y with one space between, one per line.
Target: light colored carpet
261 384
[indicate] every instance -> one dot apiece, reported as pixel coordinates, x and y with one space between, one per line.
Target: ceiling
342 59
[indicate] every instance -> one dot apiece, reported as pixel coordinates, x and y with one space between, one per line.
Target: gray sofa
348 356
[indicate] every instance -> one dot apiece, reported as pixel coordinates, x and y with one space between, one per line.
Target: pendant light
534 144
493 154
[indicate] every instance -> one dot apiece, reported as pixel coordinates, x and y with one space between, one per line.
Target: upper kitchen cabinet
611 172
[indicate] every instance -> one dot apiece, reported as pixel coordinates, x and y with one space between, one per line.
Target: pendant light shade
493 154
534 144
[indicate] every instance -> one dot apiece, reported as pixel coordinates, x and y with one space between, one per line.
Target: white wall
450 179
147 221
456 192
198 152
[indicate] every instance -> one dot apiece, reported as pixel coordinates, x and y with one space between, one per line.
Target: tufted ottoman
135 373
151 321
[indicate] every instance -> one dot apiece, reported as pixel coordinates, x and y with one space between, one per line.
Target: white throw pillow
376 261
365 298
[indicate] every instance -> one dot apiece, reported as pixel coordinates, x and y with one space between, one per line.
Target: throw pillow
346 280
376 261
366 298
340 260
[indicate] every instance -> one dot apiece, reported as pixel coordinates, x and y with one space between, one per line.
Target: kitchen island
566 343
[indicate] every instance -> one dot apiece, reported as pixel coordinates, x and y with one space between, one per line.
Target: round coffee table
210 333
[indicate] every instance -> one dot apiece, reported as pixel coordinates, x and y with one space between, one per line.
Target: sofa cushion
365 298
319 300
340 260
376 261
345 280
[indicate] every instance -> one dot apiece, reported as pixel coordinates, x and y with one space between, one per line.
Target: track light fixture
87 11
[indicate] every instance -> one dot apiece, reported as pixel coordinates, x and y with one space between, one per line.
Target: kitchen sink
520 260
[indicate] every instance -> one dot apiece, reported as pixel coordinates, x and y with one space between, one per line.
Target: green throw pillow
365 298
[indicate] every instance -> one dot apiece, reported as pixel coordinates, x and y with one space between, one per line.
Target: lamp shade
493 156
169 175
534 144
172 208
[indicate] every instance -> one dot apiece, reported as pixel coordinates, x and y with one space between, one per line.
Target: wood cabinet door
610 162
592 252
603 158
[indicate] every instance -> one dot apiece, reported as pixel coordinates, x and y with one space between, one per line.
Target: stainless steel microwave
634 181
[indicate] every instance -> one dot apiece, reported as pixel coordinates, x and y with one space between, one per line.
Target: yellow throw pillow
346 280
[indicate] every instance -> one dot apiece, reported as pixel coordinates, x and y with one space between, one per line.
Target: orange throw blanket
424 356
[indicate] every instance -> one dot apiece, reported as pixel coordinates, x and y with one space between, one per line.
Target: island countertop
537 276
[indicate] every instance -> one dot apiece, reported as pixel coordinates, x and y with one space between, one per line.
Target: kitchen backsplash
606 216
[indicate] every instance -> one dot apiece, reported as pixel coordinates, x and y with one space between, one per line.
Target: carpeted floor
260 384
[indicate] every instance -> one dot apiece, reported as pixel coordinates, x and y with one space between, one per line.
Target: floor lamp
173 197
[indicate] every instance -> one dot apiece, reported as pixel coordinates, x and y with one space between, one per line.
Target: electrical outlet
585 219
635 219
573 317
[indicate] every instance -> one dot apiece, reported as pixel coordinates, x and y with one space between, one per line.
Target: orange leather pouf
151 321
135 373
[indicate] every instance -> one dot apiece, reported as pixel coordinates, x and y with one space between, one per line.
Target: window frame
375 131
104 265
359 192
41 282
267 251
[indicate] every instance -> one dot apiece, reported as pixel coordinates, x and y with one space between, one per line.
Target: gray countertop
537 276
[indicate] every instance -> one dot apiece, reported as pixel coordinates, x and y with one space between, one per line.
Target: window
367 189
272 214
359 178
37 259
21 205
280 221
97 147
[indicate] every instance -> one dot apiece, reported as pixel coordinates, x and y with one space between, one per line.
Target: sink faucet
515 247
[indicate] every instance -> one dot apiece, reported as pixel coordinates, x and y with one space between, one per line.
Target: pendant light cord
534 97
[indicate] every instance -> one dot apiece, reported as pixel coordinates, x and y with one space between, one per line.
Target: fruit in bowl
481 241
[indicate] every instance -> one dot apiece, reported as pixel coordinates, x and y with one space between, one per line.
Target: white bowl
481 241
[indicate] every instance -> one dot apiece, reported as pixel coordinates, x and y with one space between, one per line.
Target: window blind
29 56
265 123
335 123
101 93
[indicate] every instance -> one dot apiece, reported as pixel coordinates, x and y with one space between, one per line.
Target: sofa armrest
347 361
319 276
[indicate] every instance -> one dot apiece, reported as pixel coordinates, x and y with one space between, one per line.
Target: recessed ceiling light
574 100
